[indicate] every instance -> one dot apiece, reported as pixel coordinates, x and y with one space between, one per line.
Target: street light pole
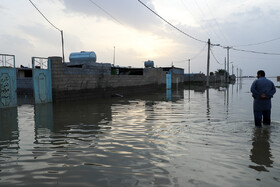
225 74
208 64
62 40
189 60
114 56
228 64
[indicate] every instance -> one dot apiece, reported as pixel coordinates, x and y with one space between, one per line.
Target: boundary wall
69 83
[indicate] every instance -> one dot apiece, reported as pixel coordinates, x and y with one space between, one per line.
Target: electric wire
256 52
218 26
44 16
248 51
176 28
206 19
242 50
195 56
214 56
186 7
259 43
106 12
233 47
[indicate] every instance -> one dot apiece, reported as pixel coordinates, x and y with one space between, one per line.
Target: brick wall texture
70 83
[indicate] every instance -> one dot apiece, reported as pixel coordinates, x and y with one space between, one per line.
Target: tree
221 72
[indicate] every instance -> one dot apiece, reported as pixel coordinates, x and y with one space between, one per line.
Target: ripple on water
200 139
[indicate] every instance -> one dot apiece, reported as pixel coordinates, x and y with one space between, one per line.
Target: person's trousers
262 115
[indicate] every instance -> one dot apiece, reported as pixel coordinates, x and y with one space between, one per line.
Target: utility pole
189 70
208 63
225 74
228 62
114 56
232 69
237 72
62 40
189 60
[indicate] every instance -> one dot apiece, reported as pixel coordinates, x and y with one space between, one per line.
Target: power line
44 16
195 56
259 43
206 19
242 50
256 52
248 51
170 23
201 25
61 31
104 11
214 56
218 26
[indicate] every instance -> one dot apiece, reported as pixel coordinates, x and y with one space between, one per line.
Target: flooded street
190 137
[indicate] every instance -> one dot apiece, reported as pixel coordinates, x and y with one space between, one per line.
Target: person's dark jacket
259 87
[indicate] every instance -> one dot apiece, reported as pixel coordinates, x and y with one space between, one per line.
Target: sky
138 35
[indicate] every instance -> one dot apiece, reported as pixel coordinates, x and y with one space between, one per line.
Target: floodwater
190 137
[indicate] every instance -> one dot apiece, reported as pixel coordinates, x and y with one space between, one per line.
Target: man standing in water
262 90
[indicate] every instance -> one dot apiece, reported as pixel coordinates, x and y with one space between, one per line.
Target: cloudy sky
138 35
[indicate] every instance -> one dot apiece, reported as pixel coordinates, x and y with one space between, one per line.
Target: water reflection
43 116
81 114
261 152
174 95
196 87
99 138
140 140
8 129
168 94
208 105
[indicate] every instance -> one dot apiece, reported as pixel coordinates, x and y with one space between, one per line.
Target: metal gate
8 81
42 83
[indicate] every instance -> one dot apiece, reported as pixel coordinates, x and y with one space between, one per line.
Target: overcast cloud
127 12
139 35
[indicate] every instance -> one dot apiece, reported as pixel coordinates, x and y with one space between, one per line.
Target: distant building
195 77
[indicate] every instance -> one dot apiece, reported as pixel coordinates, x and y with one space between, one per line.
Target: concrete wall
89 68
75 83
177 80
201 78
177 71
195 78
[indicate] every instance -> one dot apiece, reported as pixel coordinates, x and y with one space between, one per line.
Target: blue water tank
83 57
149 64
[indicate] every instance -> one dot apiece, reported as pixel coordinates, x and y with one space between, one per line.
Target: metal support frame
4 61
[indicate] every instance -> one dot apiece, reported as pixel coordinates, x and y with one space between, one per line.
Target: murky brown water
191 137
